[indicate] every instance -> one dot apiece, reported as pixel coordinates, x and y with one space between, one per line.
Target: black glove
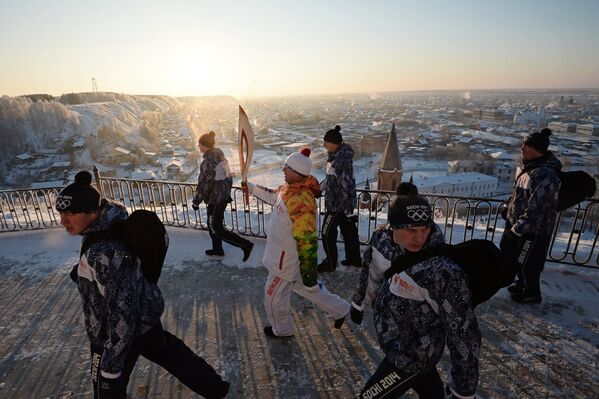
111 387
356 315
195 206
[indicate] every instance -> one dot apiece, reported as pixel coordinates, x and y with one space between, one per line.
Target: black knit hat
80 196
334 135
539 140
410 209
207 140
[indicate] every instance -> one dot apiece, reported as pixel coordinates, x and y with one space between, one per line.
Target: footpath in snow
215 306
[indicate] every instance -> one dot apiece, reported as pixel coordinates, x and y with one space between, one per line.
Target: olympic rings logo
62 204
419 215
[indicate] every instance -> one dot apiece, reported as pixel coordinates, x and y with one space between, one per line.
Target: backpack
488 270
576 187
143 234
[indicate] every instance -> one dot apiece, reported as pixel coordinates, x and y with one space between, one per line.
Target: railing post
98 184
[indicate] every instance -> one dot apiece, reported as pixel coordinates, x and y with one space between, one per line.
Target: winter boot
516 288
339 322
215 252
270 333
521 297
325 266
346 262
247 251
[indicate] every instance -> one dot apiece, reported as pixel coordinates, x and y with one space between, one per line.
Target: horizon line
325 94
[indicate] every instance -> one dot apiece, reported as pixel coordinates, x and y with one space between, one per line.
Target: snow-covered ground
549 350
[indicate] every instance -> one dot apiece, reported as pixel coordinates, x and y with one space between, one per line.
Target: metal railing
574 241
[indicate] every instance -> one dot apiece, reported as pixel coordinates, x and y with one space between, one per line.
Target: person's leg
325 300
171 353
217 244
219 231
277 301
329 238
428 385
532 268
112 388
512 247
351 241
388 382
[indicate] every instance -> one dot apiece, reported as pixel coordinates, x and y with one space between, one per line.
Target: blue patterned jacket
119 303
214 181
533 206
420 310
339 185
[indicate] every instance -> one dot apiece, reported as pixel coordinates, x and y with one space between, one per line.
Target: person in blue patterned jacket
531 214
121 307
419 310
214 188
339 189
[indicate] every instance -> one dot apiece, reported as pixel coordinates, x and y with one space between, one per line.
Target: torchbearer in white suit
291 247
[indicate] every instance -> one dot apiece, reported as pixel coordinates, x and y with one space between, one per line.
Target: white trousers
277 301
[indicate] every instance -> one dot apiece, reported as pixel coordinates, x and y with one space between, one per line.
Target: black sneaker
325 266
339 322
270 333
215 252
515 288
247 251
523 298
224 389
346 262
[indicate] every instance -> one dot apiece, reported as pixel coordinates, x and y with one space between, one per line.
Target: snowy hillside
36 129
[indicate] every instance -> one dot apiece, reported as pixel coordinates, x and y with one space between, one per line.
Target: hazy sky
266 48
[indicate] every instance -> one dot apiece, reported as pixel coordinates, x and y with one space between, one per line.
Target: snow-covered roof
458 178
175 163
24 156
143 175
61 164
122 150
295 145
47 184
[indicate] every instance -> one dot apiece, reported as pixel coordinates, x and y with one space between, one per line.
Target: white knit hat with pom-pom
300 161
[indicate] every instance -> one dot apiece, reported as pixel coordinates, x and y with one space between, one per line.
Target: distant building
590 129
167 150
23 158
80 143
529 117
497 164
47 184
390 170
59 166
562 127
471 184
143 175
118 155
491 114
173 170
